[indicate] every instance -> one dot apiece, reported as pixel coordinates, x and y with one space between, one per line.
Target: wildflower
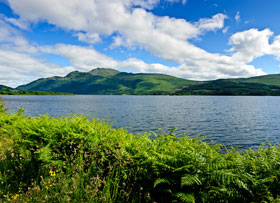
52 173
15 196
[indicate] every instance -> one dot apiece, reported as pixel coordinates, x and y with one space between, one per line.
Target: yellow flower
52 173
15 196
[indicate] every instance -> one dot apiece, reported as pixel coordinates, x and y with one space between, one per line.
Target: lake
243 121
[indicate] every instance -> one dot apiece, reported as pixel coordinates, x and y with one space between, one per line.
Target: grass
74 159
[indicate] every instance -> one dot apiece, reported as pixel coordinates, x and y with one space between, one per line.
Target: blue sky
193 39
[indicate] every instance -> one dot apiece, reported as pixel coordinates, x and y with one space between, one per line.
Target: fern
185 197
190 180
161 181
224 177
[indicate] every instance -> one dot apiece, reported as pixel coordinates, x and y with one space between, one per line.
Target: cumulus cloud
17 68
251 44
11 39
107 17
90 38
177 28
83 58
19 61
86 58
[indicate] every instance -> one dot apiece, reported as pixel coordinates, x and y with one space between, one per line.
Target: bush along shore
74 159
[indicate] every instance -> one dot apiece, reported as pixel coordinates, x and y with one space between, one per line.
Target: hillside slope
273 79
230 87
5 88
109 81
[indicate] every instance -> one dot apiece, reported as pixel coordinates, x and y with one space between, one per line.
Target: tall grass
71 159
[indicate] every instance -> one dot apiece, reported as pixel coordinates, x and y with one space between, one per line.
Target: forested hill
5 88
109 81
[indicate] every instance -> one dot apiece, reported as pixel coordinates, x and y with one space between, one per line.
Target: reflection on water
243 121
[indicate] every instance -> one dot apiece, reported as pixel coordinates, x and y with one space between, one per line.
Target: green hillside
109 81
230 87
5 88
273 79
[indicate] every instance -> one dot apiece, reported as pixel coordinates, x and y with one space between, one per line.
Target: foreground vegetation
73 159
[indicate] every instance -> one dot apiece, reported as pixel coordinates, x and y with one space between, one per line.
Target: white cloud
19 60
88 37
86 58
183 1
147 4
18 22
83 58
251 44
11 39
18 68
177 28
237 17
225 30
212 24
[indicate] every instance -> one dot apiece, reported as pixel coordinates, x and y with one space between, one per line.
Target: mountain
260 85
109 81
273 79
5 88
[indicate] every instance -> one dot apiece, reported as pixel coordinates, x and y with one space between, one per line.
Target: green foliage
183 197
71 159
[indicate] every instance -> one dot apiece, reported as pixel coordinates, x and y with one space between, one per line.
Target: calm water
243 121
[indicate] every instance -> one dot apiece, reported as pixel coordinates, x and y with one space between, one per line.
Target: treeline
24 92
73 159
225 87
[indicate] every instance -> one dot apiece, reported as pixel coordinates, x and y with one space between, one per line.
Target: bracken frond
185 197
190 180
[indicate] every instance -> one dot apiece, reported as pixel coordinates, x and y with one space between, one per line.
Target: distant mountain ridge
110 81
5 88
